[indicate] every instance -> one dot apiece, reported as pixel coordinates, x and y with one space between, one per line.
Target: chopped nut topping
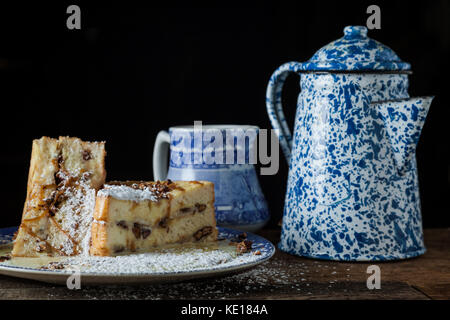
160 189
244 246
203 232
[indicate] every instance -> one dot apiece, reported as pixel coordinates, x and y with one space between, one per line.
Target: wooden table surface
283 277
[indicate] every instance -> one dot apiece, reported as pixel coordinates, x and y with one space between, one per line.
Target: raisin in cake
62 181
136 216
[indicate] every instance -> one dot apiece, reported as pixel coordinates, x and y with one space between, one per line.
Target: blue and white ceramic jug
239 201
352 190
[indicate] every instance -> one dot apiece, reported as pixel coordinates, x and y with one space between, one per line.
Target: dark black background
133 70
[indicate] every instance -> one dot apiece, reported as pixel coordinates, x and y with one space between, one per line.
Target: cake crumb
244 246
4 258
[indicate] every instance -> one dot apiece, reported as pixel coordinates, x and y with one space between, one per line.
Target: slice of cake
137 216
65 213
62 181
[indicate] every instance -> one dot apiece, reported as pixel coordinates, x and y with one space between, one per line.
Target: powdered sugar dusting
168 260
123 192
87 217
76 214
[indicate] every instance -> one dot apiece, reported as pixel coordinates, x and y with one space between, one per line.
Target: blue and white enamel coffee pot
352 191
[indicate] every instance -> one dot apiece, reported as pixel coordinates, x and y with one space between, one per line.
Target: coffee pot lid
355 52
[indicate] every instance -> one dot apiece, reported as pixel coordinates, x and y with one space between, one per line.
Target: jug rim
214 126
362 71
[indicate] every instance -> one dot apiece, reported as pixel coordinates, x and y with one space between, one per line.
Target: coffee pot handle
275 109
160 155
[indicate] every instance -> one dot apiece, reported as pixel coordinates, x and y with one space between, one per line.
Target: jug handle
160 155
274 107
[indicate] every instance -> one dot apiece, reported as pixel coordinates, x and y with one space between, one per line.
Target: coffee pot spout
403 121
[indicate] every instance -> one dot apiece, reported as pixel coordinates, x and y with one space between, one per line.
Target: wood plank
349 291
283 277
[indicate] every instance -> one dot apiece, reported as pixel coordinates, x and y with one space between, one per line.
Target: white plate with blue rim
168 264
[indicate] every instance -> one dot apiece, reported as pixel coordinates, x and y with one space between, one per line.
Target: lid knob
351 32
356 51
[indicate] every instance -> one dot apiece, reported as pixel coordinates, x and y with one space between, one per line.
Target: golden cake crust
181 211
61 171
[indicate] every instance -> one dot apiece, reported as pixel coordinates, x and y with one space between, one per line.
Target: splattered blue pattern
352 191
